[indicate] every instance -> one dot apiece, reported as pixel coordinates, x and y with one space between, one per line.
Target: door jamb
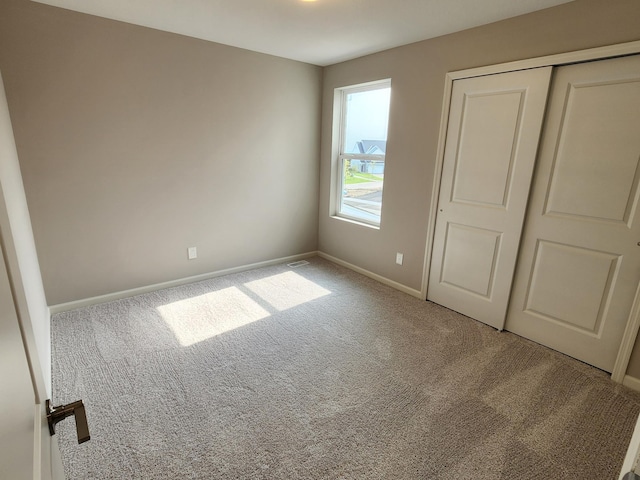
628 341
599 53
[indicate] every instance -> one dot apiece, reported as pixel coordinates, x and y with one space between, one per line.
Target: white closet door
580 258
492 139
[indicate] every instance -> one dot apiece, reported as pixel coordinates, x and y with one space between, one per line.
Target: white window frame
342 93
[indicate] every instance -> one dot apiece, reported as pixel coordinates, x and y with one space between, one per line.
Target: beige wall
136 144
418 72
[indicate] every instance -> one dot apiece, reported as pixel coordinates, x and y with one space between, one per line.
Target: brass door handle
56 414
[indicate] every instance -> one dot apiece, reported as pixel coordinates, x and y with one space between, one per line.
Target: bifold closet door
579 264
492 138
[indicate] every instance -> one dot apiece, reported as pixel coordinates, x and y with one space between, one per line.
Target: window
364 117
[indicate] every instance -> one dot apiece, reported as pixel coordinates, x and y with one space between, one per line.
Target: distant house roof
372 147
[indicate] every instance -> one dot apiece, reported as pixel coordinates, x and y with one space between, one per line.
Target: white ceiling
321 32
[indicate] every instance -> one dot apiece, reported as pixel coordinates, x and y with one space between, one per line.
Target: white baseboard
398 286
64 307
631 382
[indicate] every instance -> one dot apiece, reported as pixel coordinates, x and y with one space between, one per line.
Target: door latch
56 414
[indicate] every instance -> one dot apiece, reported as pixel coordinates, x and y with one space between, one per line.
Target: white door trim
630 48
628 341
46 456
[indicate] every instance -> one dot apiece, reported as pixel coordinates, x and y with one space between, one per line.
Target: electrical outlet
192 252
399 258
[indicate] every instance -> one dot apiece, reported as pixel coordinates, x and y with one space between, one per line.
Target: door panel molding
493 138
586 310
461 278
572 199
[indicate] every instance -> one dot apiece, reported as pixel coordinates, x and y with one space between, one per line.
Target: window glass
367 118
364 120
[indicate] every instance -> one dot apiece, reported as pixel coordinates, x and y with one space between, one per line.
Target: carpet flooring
317 372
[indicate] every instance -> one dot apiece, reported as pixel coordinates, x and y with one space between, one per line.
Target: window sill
353 221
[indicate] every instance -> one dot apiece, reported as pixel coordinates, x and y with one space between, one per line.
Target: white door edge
45 450
37 439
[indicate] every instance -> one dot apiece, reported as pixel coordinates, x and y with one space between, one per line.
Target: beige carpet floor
317 372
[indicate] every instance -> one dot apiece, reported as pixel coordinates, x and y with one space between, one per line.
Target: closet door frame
600 53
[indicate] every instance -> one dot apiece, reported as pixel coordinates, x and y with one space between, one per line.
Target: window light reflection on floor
286 290
196 319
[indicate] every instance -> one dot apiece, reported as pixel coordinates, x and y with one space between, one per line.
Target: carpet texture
317 372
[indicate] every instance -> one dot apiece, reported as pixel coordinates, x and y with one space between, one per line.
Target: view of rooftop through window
365 118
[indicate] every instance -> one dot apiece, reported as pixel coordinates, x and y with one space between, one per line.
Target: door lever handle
56 414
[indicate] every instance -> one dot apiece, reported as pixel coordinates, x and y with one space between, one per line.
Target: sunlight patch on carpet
286 290
199 318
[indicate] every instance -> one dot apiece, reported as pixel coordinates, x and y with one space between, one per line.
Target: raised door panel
583 182
469 260
571 286
492 142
